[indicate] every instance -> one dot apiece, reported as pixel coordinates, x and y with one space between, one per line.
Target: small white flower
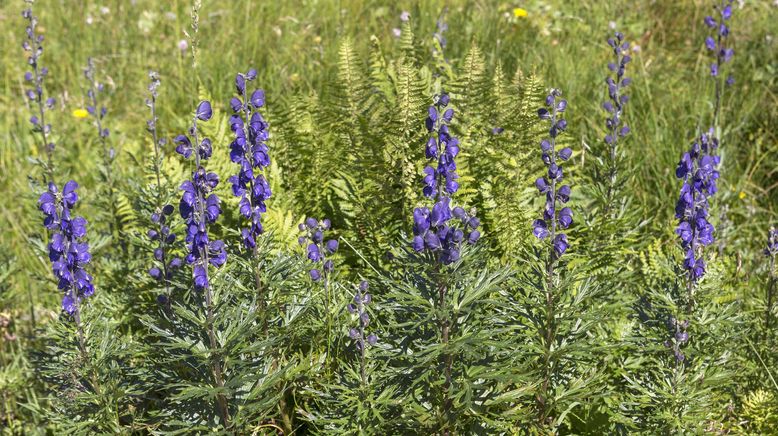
89 20
405 16
104 10
183 45
397 32
612 25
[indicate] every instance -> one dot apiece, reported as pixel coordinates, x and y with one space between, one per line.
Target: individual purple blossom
554 218
40 104
199 206
249 150
697 169
68 252
317 249
441 230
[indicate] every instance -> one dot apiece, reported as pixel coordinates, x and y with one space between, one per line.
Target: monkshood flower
441 230
615 106
716 42
441 28
358 308
680 337
317 250
33 45
165 264
556 194
68 252
772 243
95 110
199 206
249 150
697 169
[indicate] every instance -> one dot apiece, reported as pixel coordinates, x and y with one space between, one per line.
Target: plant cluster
590 327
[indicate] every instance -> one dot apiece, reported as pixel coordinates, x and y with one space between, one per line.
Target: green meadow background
294 47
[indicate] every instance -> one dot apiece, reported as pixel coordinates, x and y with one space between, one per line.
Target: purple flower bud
258 98
710 43
235 104
204 111
240 84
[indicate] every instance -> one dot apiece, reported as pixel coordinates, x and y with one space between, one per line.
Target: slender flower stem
770 291
717 104
152 128
82 341
362 348
38 78
693 247
41 112
550 264
216 364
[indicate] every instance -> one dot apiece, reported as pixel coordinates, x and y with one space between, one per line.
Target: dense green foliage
487 345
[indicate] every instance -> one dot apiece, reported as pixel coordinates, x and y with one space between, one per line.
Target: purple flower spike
436 231
318 251
697 170
614 107
717 43
68 254
199 206
552 219
358 334
250 151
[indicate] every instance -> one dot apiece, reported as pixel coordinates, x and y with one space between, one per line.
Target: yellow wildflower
80 113
519 12
742 195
